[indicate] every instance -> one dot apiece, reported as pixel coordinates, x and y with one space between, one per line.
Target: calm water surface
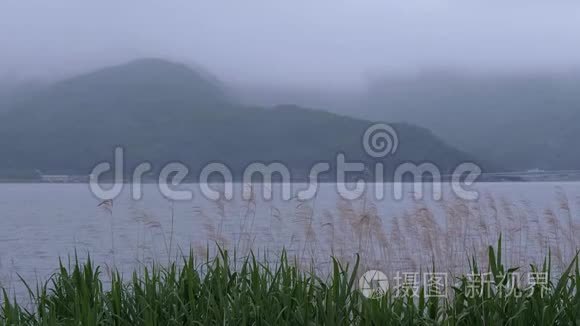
42 222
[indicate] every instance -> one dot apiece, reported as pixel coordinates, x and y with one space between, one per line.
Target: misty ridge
162 111
519 121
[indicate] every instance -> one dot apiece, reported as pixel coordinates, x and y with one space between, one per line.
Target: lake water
42 222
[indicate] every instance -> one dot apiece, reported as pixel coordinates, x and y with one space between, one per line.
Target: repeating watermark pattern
379 141
374 284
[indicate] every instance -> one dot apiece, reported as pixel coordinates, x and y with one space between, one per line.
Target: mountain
517 121
520 122
161 111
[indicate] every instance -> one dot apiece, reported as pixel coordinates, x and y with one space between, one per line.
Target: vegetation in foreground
222 291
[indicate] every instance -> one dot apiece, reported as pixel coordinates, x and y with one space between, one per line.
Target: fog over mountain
302 43
162 112
520 121
497 80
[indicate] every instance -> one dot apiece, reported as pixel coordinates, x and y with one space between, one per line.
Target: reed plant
229 290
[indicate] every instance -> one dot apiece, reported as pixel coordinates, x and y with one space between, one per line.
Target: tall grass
310 287
226 290
423 232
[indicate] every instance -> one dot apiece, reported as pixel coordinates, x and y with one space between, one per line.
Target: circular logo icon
373 284
380 140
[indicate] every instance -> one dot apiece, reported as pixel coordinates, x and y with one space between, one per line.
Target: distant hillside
519 122
161 111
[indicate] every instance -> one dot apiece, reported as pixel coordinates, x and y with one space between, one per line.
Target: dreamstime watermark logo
379 142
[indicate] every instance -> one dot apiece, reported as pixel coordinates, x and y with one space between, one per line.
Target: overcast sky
289 41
